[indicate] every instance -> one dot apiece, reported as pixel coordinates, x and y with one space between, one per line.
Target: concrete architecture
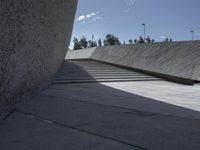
91 103
34 39
177 61
91 106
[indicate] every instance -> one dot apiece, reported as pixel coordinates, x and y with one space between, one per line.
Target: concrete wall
80 54
34 35
177 59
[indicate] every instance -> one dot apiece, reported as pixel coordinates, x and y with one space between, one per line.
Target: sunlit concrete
103 116
163 91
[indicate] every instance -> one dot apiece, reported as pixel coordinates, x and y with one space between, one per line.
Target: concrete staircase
88 71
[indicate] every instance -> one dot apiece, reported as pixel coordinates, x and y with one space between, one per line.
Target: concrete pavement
101 116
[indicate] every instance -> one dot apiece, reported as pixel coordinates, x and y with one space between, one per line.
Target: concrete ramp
177 61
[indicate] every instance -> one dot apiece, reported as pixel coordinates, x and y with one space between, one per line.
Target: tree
167 39
141 40
112 40
124 43
83 42
99 42
135 41
92 43
152 40
95 44
104 42
130 41
76 44
148 39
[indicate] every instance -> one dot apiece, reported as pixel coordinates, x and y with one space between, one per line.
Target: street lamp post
144 30
192 31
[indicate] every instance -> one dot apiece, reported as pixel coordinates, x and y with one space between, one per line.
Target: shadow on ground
91 116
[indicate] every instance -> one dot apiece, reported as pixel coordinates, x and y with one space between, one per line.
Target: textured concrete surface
95 116
91 71
87 71
35 133
80 54
34 39
179 59
167 92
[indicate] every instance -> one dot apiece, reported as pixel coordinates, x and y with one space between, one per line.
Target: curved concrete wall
34 39
177 59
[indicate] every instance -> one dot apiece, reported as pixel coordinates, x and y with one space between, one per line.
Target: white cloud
95 19
92 17
88 16
129 4
163 37
93 14
82 17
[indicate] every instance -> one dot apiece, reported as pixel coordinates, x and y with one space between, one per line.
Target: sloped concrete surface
178 59
34 35
172 93
96 116
37 133
80 54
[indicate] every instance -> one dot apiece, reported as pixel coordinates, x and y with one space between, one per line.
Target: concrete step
97 71
102 77
102 80
91 71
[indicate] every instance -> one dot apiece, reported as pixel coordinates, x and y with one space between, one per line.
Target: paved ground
105 115
168 92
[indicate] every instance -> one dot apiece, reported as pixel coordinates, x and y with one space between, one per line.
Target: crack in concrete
80 130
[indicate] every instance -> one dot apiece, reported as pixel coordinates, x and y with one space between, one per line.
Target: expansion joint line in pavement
79 130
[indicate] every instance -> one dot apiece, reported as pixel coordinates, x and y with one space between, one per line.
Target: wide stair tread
89 71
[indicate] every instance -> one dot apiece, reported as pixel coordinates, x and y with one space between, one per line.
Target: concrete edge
171 78
166 77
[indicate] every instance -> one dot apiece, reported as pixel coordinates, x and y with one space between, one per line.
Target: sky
123 18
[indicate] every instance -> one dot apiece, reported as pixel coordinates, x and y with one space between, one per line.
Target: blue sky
123 18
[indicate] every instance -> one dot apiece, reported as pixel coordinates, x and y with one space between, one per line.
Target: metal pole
192 34
144 30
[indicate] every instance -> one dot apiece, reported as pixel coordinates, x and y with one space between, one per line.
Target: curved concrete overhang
34 35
